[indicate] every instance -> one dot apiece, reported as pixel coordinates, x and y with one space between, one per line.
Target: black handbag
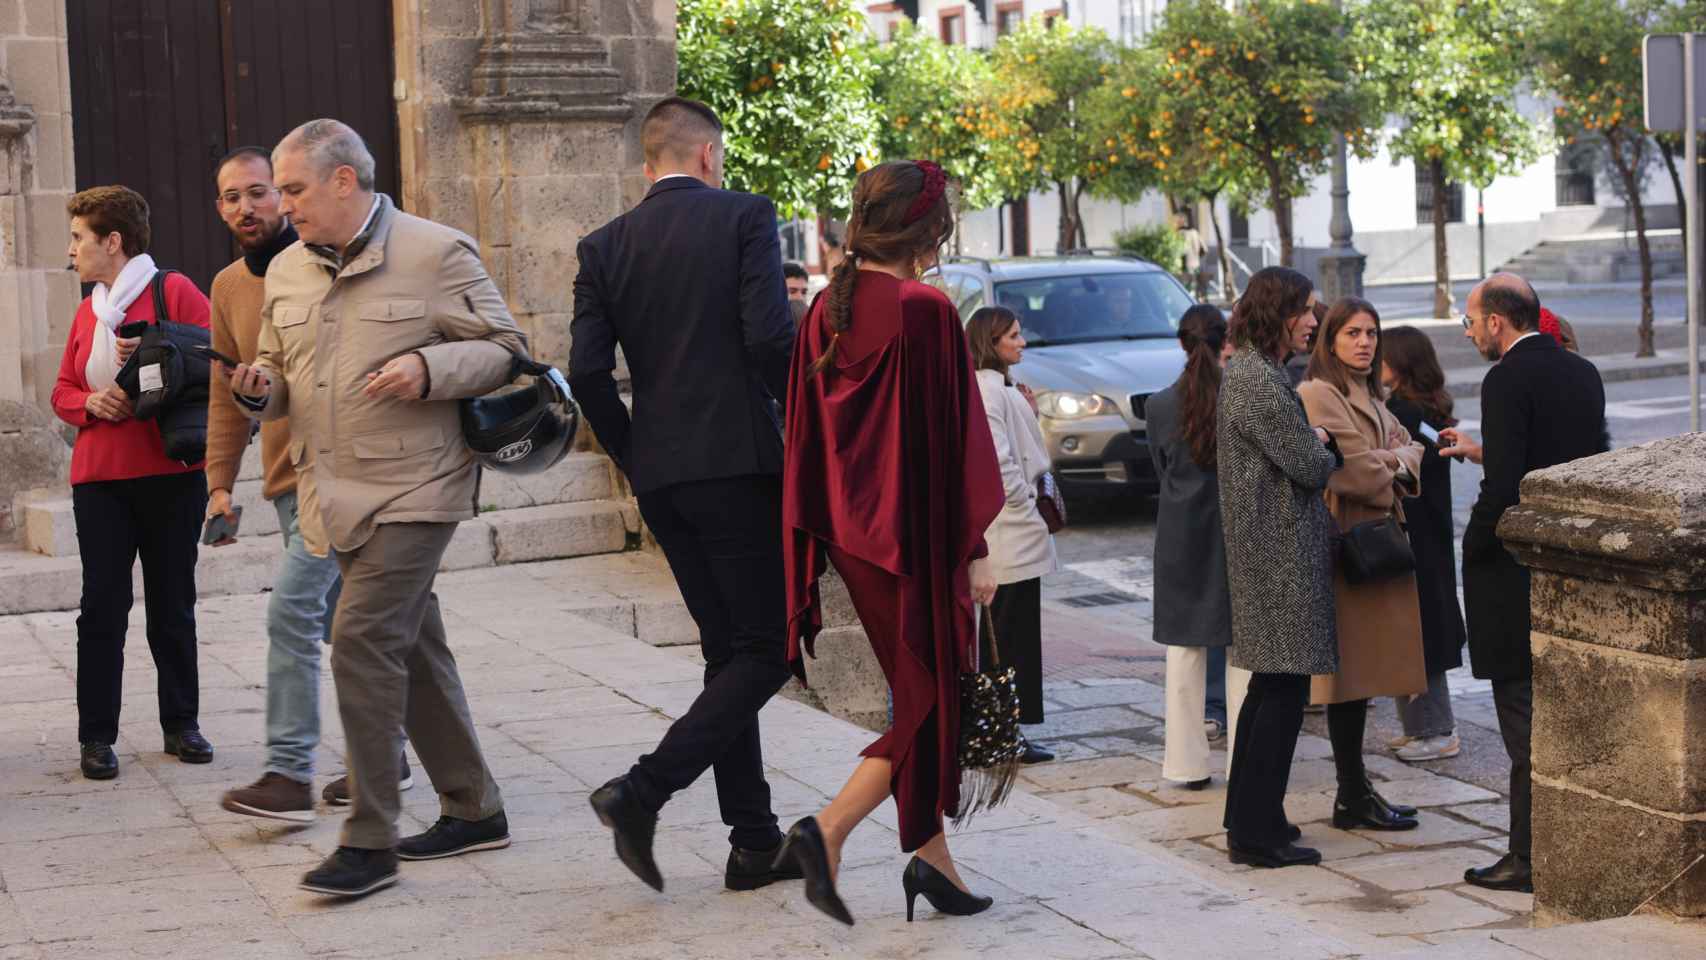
1376 550
167 378
990 742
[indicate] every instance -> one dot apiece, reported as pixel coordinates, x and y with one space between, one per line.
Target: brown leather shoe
274 796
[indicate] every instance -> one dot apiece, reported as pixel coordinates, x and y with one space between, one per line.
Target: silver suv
1103 336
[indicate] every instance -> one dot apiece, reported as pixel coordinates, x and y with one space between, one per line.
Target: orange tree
791 80
1155 141
929 94
1035 115
1272 82
1587 55
1444 71
1682 18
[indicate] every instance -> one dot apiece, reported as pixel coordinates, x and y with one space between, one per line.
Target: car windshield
1082 309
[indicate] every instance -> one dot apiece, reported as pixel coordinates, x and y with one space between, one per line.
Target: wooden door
162 89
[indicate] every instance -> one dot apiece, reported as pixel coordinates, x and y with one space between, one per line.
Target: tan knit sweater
236 321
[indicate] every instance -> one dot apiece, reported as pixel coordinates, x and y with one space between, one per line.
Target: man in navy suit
689 285
1541 405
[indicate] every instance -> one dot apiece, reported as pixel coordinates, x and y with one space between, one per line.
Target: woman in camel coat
1379 624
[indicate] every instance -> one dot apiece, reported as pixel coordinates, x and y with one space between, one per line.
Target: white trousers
1188 752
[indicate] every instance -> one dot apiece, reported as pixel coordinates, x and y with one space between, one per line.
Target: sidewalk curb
1612 369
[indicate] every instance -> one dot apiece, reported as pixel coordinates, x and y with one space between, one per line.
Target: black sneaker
99 761
352 872
450 837
337 792
189 746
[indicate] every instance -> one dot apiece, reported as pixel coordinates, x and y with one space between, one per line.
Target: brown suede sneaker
274 796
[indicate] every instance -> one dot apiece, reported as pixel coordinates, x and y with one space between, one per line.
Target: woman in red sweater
128 496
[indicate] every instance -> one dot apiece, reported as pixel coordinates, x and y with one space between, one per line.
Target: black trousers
1514 702
723 541
1266 738
157 518
1016 613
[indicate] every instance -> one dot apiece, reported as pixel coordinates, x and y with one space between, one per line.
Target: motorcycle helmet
524 429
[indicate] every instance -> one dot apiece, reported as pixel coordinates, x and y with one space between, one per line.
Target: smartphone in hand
1429 432
213 354
219 529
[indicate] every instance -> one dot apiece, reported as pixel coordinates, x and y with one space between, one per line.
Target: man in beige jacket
371 328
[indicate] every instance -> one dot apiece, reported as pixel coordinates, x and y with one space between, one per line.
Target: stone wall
1617 546
519 123
38 296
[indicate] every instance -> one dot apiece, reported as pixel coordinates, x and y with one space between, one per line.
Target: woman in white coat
1021 549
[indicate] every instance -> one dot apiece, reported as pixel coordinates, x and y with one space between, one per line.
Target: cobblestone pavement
1092 859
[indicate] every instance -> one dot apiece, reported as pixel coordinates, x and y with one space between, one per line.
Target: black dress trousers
1016 613
159 519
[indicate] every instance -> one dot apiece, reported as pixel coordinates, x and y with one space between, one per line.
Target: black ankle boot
1365 811
921 878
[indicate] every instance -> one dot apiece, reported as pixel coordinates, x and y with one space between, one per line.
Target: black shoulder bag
1376 550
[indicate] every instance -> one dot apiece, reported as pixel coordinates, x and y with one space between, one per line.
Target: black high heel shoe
804 847
921 878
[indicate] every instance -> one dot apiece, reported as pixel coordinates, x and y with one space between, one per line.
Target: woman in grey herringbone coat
1279 558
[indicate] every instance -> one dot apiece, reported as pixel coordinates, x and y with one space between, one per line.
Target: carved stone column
1617 546
537 63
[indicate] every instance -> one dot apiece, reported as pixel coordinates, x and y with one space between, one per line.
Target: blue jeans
299 621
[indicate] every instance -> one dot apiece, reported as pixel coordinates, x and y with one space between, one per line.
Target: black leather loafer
1510 873
751 869
1290 855
99 761
189 746
620 810
1368 813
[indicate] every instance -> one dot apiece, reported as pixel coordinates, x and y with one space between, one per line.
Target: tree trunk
1066 238
1078 215
1442 262
1228 290
1280 203
1632 189
1676 185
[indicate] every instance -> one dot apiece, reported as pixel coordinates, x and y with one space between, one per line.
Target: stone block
1665 623
1622 724
548 341
260 517
45 523
1596 858
450 18
44 18
492 209
450 201
446 65
33 455
665 623
52 161
33 66
539 283
580 476
558 530
647 65
470 547
835 603
846 679
48 230
31 583
553 149
11 17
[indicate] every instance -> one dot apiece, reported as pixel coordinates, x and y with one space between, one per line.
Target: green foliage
791 80
929 93
1444 69
1156 242
1262 90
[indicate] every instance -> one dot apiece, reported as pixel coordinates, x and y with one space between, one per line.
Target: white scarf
110 305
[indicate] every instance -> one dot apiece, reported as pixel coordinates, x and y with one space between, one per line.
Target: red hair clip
1549 325
935 182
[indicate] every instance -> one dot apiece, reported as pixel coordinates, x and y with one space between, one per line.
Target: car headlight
1065 405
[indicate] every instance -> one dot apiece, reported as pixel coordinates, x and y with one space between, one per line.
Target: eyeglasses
256 194
1468 321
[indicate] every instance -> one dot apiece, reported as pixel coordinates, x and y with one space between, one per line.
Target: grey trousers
1428 714
394 672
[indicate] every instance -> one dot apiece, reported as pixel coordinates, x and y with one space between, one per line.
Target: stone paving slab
149 865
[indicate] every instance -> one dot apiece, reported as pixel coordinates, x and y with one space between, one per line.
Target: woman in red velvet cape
890 476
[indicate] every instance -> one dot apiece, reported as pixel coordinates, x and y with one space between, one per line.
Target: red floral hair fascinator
1549 325
935 183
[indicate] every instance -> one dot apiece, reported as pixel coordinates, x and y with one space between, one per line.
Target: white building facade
1559 197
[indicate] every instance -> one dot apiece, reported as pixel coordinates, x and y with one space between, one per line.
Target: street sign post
1673 70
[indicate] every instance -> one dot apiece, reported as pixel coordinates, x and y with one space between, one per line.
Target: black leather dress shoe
1035 754
1290 855
1368 813
1396 809
352 872
99 761
1510 873
620 810
751 869
189 746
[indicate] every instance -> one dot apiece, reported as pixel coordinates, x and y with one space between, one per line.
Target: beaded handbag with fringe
990 740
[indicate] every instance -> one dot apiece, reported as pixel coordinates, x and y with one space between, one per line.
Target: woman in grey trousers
1273 467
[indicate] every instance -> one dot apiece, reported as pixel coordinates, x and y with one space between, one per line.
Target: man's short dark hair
794 271
1514 299
677 126
242 153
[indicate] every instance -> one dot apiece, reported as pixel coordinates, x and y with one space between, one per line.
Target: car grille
1138 402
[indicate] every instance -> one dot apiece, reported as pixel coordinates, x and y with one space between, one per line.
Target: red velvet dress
890 473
